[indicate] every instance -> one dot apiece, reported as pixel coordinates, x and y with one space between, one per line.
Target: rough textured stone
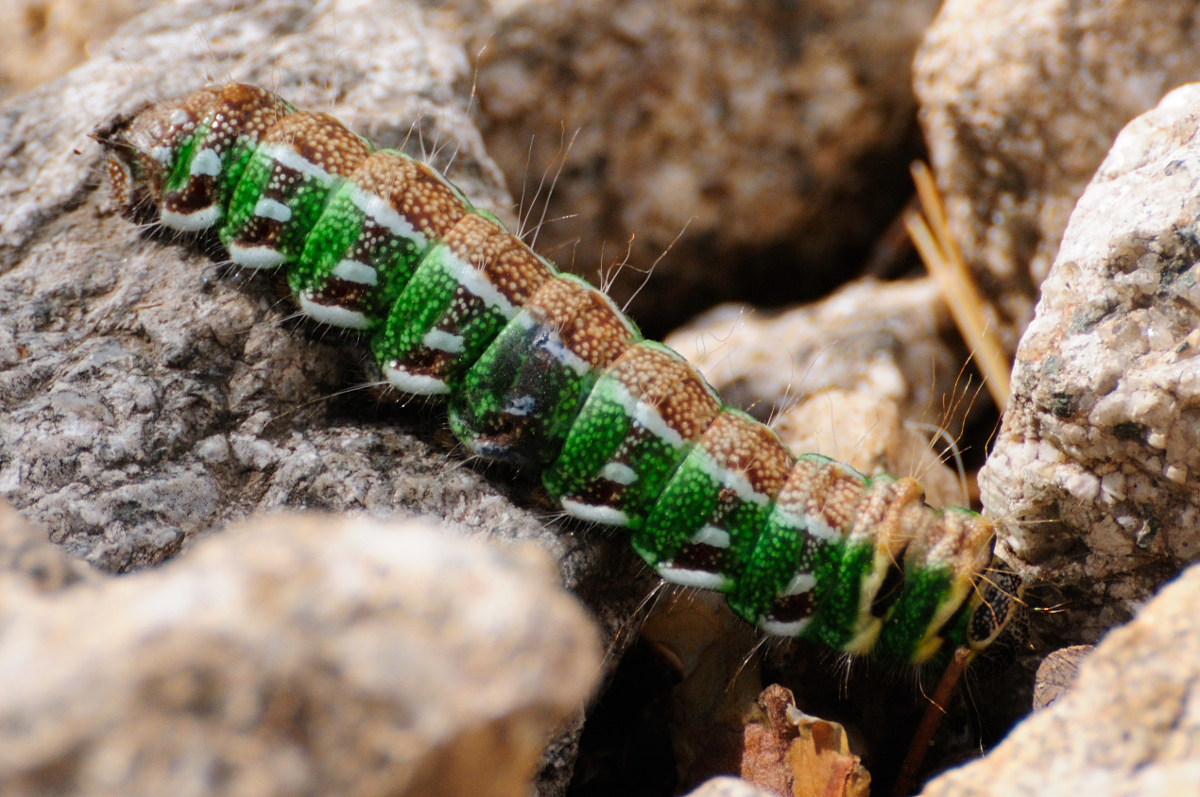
297 655
891 340
1096 467
149 395
42 39
1129 726
727 787
777 132
867 433
1020 101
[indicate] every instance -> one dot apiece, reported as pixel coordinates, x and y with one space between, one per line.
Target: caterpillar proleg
542 369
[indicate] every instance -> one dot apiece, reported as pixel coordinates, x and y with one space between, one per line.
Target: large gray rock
1096 470
148 395
299 655
777 133
1129 726
1020 101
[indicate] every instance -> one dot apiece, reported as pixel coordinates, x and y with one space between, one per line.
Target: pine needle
944 261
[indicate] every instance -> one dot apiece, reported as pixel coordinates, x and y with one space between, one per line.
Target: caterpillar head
141 149
994 606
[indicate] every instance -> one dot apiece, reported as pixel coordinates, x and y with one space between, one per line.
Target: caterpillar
540 368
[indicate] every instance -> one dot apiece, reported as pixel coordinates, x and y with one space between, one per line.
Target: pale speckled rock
892 340
1129 726
1020 101
300 654
868 434
777 133
1097 465
727 787
42 39
31 563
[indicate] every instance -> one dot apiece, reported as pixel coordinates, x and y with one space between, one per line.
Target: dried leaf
1056 675
765 742
822 763
791 754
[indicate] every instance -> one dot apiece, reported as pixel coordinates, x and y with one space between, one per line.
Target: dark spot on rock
1129 430
1174 166
1087 316
1061 404
1144 539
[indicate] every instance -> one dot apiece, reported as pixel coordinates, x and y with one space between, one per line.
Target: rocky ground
151 399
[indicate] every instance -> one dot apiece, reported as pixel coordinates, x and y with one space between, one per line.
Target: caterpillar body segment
521 398
370 239
542 369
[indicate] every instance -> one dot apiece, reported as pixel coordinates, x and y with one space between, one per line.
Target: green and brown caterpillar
542 369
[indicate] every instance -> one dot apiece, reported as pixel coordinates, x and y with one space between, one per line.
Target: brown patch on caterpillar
587 322
413 189
671 385
321 140
741 444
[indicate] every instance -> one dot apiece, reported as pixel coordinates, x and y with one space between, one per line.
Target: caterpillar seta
540 368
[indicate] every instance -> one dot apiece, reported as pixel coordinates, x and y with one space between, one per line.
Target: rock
867 433
1020 101
1129 726
728 787
30 562
893 340
1057 674
42 39
777 134
149 396
299 654
1095 470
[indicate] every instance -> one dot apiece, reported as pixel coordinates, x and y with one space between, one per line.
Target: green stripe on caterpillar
541 369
